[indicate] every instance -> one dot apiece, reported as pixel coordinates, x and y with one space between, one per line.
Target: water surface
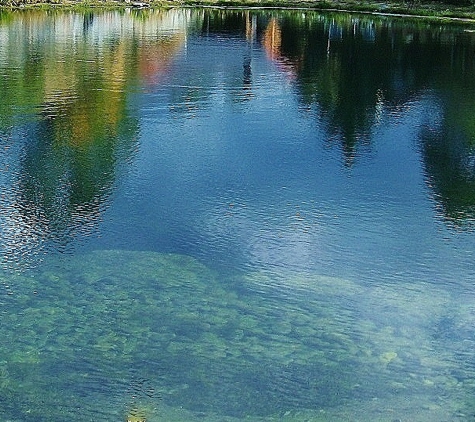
227 215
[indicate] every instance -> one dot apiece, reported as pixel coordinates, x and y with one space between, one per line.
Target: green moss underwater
120 335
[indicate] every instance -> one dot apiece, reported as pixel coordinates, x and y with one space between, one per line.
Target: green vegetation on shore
447 9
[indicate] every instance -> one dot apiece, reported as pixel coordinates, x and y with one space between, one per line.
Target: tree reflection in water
349 71
81 131
353 70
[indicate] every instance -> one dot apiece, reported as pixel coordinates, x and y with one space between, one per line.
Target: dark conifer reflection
350 69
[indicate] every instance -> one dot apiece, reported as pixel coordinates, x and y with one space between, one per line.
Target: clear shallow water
224 215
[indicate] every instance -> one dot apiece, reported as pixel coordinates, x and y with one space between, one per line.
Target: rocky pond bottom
121 335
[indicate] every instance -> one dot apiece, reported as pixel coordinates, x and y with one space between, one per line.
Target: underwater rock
135 418
387 357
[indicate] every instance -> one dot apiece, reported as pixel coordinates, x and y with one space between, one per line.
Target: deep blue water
222 215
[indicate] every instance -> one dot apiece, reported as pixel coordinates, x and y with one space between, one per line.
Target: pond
227 215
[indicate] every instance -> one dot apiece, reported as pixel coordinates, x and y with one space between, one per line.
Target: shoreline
411 9
468 18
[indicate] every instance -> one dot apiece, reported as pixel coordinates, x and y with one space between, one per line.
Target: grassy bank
427 10
461 10
410 8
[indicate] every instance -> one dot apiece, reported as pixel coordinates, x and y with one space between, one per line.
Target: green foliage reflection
69 94
353 70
